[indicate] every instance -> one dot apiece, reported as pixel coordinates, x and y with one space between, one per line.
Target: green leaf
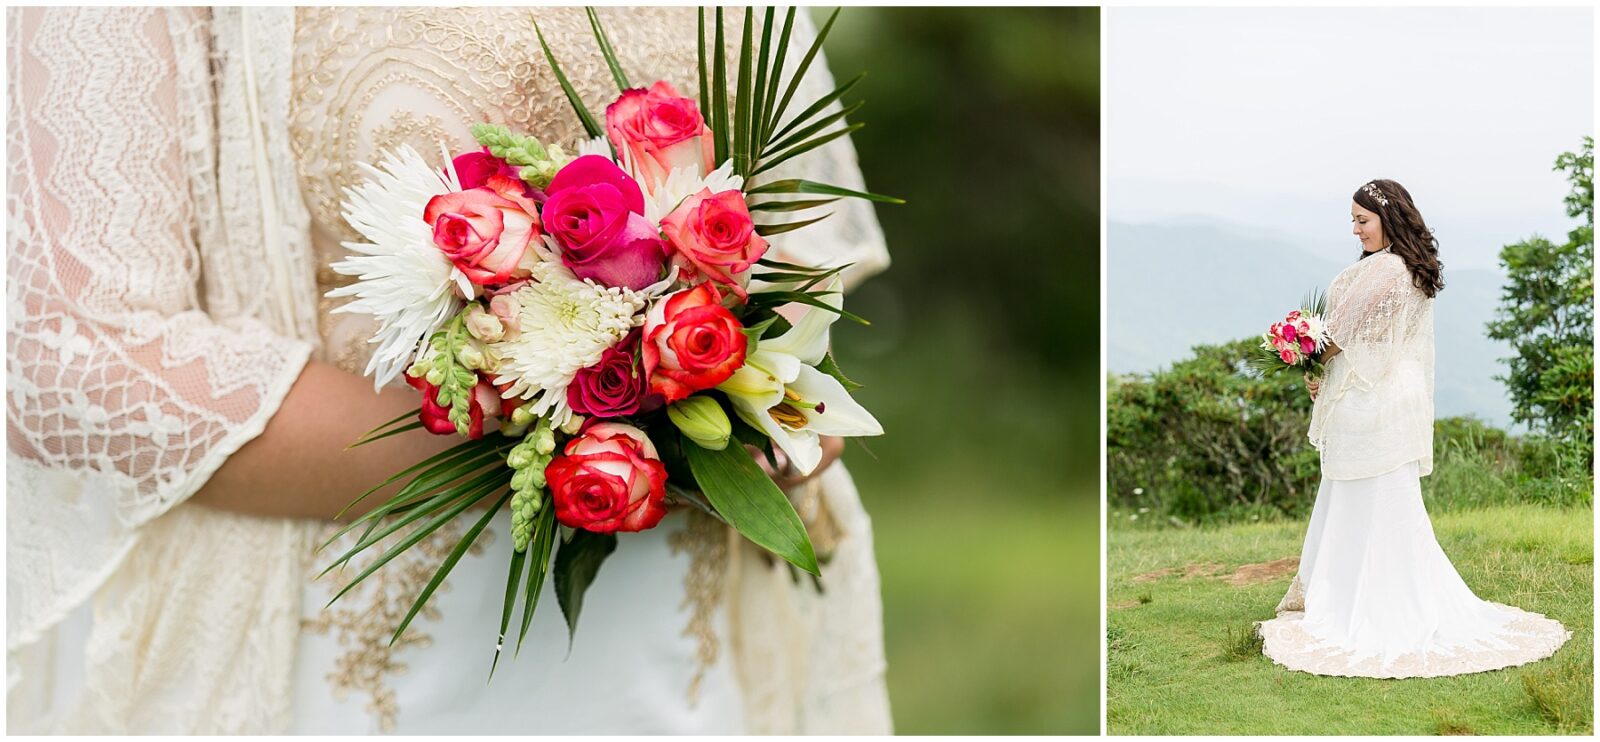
513 583
450 562
780 265
831 368
539 547
803 135
364 436
767 230
705 95
817 107
805 64
577 563
390 526
607 52
815 188
801 205
752 334
809 298
467 500
743 155
719 92
751 503
397 431
443 468
801 149
584 117
770 101
758 90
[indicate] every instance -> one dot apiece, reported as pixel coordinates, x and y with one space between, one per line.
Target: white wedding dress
1375 595
173 207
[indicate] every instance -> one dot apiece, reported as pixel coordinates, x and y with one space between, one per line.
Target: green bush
1208 437
1209 440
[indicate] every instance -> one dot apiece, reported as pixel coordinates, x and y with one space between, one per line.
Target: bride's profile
180 398
1375 595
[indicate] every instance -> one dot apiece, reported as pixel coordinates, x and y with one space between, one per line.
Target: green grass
1181 658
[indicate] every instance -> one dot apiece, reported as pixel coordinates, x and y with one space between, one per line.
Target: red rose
485 231
691 342
659 131
436 418
609 479
713 234
596 214
474 169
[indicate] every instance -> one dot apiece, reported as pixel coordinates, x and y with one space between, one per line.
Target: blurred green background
983 360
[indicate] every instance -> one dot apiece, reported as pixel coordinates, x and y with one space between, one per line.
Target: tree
1546 313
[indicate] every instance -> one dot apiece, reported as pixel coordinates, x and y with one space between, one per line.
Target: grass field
1182 658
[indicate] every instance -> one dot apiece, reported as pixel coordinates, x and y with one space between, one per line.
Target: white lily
779 391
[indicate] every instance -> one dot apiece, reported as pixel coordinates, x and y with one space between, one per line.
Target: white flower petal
404 281
841 415
808 338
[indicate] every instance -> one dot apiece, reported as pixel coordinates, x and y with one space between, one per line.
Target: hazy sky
1272 117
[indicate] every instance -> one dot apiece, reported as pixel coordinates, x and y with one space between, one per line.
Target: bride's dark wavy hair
1408 236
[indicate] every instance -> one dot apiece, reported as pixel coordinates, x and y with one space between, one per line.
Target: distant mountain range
1175 284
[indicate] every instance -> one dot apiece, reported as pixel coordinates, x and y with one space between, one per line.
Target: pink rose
713 234
659 131
1287 356
484 231
1307 345
613 387
596 214
608 479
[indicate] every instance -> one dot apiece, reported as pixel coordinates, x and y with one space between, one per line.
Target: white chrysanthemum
404 281
596 146
564 326
682 183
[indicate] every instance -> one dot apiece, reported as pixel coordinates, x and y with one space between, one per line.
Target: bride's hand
1313 385
784 477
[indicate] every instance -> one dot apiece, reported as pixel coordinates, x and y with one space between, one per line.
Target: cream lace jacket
162 297
1375 410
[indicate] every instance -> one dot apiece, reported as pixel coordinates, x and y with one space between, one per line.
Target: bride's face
1366 226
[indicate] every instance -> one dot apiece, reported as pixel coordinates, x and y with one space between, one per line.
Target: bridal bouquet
602 327
1297 342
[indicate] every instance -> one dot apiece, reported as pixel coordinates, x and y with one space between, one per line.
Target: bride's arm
118 378
301 466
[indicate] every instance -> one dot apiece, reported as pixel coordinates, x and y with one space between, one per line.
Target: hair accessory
1372 190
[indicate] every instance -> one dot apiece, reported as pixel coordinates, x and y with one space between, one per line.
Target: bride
1375 595
180 398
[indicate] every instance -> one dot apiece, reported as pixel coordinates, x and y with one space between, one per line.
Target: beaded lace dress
164 289
1375 595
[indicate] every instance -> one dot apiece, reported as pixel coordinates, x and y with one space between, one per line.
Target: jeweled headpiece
1372 190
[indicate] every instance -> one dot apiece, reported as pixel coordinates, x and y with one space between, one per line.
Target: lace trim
706 542
1294 600
1527 638
365 618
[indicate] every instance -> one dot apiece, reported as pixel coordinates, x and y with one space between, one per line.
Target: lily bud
703 421
573 424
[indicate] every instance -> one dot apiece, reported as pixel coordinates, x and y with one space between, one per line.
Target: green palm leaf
606 51
586 118
449 564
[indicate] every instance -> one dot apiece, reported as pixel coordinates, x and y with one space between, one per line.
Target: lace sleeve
124 394
851 233
1374 320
